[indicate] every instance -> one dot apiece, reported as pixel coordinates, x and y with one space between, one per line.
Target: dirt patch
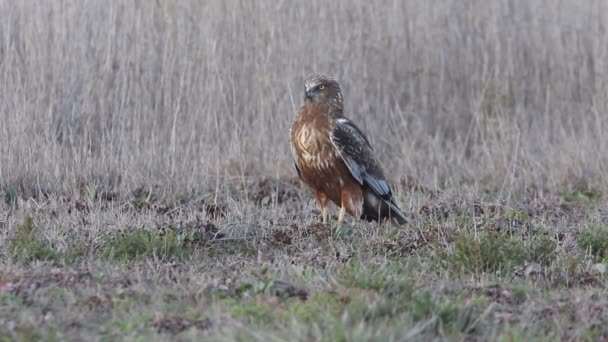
175 324
499 294
216 211
319 231
287 290
281 236
409 240
268 191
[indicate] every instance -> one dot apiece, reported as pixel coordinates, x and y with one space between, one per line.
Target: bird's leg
351 200
344 202
342 214
323 201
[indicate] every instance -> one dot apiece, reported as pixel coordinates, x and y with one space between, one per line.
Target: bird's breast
314 147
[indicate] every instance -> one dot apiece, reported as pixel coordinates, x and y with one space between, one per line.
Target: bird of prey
335 159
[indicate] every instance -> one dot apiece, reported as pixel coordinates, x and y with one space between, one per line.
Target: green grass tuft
381 280
11 196
495 252
542 250
25 244
489 253
138 244
594 240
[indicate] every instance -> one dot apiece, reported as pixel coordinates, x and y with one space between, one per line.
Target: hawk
335 159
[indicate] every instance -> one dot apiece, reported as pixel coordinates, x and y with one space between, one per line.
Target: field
147 190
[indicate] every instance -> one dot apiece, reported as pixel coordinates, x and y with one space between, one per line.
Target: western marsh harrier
334 158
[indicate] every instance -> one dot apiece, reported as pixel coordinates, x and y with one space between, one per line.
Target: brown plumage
334 158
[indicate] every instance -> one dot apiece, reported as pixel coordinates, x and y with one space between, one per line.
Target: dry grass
506 95
147 141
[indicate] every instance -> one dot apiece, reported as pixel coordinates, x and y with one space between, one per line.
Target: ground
138 267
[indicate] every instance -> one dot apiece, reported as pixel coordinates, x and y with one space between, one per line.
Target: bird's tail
396 214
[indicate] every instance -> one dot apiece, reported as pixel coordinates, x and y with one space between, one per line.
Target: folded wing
357 153
294 155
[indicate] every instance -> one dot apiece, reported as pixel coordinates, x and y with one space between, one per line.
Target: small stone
600 268
531 269
344 229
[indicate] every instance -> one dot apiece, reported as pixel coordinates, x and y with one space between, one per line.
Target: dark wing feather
295 161
357 153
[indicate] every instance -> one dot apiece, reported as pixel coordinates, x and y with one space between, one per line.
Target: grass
134 98
148 191
238 282
139 243
495 253
594 240
26 245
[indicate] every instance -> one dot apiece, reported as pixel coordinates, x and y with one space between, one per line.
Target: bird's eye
321 87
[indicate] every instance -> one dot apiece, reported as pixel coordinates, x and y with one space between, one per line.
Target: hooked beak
308 94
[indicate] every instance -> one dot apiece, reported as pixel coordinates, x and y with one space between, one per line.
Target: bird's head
322 89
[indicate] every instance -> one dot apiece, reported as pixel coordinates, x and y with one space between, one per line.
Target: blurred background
185 95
